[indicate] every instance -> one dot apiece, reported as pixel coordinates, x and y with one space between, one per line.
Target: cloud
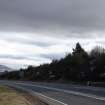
37 31
16 51
57 16
53 56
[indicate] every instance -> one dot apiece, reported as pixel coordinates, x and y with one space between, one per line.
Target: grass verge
9 96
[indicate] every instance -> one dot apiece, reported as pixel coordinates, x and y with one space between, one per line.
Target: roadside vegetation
78 66
9 96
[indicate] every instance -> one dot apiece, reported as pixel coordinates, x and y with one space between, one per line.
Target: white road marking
67 91
51 99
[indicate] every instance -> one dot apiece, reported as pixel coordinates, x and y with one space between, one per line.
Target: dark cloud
30 42
52 15
12 57
17 57
53 56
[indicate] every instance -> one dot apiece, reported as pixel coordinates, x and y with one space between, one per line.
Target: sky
33 32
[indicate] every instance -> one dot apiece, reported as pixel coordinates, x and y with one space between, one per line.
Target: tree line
78 66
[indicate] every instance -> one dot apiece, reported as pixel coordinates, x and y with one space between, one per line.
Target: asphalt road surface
62 94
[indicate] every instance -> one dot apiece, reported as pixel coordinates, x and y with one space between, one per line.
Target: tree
97 62
79 63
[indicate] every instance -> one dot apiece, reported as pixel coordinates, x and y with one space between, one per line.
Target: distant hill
4 68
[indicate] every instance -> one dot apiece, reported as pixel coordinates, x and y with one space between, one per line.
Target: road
62 94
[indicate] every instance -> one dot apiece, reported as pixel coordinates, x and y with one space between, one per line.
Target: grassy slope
11 97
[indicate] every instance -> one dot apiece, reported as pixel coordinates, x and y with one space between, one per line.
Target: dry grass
9 96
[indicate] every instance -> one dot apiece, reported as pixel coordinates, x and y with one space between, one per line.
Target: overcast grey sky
33 32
